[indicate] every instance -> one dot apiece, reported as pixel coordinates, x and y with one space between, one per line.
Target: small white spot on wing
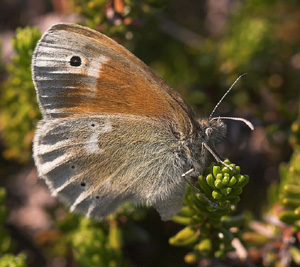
107 128
96 66
92 145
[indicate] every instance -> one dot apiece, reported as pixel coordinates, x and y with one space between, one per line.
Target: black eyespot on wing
83 184
75 61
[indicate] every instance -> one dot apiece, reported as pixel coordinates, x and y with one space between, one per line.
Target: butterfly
112 130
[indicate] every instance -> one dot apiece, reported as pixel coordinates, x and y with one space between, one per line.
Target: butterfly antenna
216 157
241 76
248 123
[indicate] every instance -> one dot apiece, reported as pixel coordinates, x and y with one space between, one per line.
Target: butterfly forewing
77 70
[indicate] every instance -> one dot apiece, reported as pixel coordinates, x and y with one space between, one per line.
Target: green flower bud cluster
284 200
290 191
96 244
92 243
209 226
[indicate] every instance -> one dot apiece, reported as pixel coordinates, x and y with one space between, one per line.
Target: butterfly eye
175 133
208 131
75 61
83 184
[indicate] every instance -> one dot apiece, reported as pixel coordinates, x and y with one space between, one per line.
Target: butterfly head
214 130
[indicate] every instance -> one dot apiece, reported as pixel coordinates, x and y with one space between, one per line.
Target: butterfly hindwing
96 162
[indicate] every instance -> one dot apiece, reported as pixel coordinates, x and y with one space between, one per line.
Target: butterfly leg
212 204
216 156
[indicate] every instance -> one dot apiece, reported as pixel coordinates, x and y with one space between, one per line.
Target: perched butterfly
113 130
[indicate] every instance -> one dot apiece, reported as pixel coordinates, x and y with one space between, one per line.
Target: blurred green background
199 48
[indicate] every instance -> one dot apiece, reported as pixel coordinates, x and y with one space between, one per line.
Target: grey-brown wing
94 163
